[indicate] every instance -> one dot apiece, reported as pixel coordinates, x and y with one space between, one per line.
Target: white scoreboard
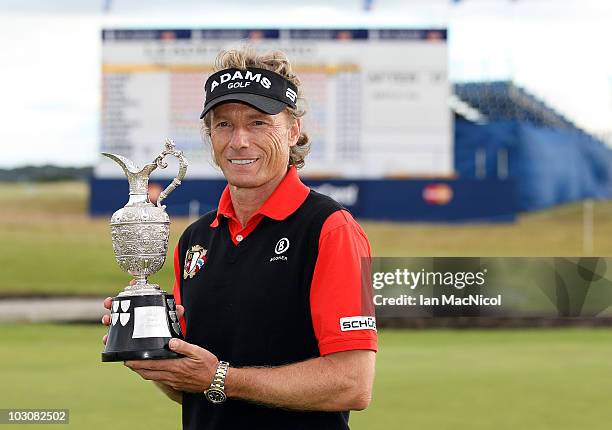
377 98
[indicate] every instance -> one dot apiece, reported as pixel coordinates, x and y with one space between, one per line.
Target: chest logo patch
281 246
194 260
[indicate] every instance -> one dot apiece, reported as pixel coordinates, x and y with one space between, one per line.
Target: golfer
279 327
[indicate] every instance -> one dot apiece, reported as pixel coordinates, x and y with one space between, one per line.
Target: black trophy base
155 354
141 328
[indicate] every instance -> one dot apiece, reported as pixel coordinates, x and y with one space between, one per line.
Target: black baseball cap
261 88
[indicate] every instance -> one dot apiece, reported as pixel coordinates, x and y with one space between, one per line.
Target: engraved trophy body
143 317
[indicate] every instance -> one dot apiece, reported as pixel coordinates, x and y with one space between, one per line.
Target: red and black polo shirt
273 292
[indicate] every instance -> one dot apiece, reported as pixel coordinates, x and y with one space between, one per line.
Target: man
278 323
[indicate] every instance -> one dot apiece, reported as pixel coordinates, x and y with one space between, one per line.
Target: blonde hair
278 62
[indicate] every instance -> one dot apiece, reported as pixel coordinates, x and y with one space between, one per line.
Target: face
251 147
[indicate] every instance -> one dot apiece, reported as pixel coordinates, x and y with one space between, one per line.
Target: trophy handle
171 150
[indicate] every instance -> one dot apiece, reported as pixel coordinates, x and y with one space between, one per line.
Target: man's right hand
106 319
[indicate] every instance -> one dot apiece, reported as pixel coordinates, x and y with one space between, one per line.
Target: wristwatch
216 391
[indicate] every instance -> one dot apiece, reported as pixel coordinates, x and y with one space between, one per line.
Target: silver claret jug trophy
143 317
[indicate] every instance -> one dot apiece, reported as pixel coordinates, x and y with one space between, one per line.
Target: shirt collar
284 200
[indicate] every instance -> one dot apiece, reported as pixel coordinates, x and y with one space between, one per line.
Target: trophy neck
139 185
137 198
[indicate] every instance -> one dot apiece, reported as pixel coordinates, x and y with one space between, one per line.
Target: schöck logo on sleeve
357 323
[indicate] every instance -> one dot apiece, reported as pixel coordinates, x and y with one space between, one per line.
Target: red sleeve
340 295
176 289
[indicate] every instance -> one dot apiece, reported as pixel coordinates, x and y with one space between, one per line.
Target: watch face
215 395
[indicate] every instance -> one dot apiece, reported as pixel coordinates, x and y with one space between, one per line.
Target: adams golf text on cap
263 89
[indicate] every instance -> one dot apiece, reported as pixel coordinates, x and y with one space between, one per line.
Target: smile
245 161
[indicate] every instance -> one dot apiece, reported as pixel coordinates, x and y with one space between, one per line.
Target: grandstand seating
550 159
504 100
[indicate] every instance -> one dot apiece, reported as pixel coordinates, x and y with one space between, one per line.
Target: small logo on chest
281 246
194 260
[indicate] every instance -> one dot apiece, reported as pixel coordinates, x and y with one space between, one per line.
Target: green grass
498 379
49 245
553 379
438 379
551 232
55 366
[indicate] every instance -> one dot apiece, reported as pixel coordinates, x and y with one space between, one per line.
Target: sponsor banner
549 287
424 34
461 200
188 34
329 34
261 33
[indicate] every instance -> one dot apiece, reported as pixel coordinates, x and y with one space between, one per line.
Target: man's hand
173 394
106 319
336 382
193 373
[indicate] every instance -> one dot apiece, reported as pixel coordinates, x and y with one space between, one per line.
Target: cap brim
264 104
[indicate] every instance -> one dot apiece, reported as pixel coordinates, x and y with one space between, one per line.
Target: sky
51 51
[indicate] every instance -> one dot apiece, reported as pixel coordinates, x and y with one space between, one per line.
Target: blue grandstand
503 131
503 100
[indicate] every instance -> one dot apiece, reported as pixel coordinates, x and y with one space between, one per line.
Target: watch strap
219 378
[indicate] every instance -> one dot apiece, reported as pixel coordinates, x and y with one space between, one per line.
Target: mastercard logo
168 35
437 194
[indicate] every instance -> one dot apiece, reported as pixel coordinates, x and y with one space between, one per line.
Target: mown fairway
436 379
432 379
48 243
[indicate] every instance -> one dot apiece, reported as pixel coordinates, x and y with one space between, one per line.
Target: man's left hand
192 373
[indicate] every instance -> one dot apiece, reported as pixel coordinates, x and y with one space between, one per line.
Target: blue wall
546 167
549 166
393 200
